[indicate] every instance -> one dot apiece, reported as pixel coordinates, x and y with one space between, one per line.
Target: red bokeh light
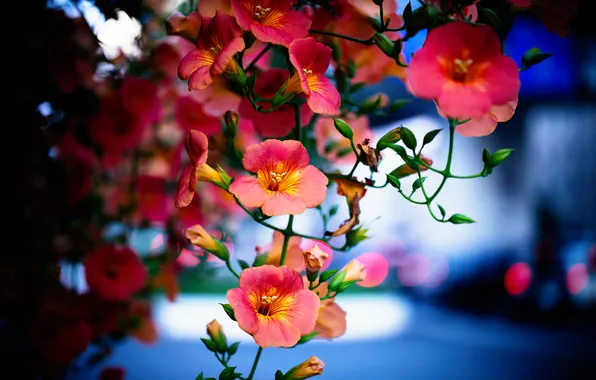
518 278
376 268
577 278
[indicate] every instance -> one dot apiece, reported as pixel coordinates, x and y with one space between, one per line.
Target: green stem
368 42
288 233
254 365
221 360
229 265
447 171
354 167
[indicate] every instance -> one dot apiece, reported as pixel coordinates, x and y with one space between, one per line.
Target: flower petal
304 310
193 61
331 322
276 332
292 280
287 27
226 54
502 79
271 152
279 203
200 78
197 147
184 192
256 278
324 97
460 101
245 313
249 191
312 186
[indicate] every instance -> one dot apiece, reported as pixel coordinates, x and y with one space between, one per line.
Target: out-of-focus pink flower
190 116
209 7
294 258
463 68
187 27
333 146
154 202
143 326
167 54
486 124
264 62
115 273
80 161
280 122
311 60
376 267
272 305
219 39
285 182
218 98
139 96
271 20
331 322
167 280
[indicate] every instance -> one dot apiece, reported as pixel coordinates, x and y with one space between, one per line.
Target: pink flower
168 53
278 123
219 39
190 116
311 60
462 67
332 145
210 7
272 305
154 203
271 20
139 96
285 182
265 61
217 99
376 269
486 124
331 321
80 162
115 273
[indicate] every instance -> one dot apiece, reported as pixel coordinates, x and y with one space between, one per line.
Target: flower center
461 68
215 49
265 306
111 272
261 12
306 71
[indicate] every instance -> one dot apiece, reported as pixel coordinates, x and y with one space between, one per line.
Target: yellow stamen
261 12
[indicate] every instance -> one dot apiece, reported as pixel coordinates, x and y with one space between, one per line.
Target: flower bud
385 44
354 270
206 173
314 259
376 101
215 332
405 170
199 237
311 367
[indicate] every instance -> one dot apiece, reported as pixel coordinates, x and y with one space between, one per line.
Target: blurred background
512 296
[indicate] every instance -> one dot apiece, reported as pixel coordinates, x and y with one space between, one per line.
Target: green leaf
305 338
233 348
259 260
398 104
442 210
243 264
211 378
430 136
533 57
485 156
393 181
229 310
326 275
408 138
492 19
200 376
460 219
279 375
499 156
345 285
407 12
211 346
333 210
356 86
400 150
228 374
418 183
343 128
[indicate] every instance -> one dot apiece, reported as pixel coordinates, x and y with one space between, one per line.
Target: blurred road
431 343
